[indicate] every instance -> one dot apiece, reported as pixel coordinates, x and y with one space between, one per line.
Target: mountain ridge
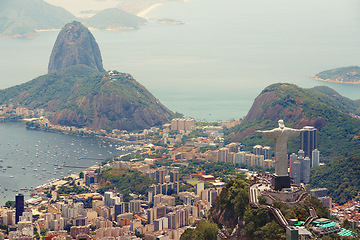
300 107
83 97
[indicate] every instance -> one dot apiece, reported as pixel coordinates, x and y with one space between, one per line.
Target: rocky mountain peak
75 45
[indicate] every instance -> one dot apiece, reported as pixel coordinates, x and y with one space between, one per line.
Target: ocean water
213 67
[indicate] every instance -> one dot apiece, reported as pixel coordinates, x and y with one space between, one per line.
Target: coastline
147 10
334 81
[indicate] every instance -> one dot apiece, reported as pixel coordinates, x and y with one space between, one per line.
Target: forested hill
83 97
323 108
20 18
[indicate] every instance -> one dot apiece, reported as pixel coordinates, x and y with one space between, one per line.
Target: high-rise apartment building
315 159
308 140
267 152
19 206
258 150
223 154
174 175
160 175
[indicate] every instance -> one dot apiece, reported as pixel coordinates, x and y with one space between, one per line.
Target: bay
29 158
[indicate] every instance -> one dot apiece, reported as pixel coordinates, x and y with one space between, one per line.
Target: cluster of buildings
308 157
12 110
349 211
161 215
107 216
164 213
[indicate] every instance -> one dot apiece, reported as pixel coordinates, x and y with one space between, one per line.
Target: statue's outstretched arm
268 133
296 132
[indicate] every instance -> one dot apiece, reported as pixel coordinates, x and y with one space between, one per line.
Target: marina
30 158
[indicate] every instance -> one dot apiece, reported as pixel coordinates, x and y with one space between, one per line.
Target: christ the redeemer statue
281 136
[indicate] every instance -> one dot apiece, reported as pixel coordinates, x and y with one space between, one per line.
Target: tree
43 232
346 224
204 230
10 204
67 227
207 230
81 175
261 200
190 234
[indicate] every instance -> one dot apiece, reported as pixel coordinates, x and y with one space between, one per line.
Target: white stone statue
281 136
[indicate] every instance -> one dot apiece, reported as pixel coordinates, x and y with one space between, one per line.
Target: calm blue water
33 157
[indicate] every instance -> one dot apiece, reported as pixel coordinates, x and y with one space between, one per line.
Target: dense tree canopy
204 230
125 180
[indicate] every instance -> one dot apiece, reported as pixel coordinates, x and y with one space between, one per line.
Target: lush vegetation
233 204
302 212
259 224
79 94
321 107
341 177
232 207
338 132
125 181
71 188
344 74
233 200
10 204
204 230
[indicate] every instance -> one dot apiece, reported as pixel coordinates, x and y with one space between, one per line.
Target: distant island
21 18
340 75
170 21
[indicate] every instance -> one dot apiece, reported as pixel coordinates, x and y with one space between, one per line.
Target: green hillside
81 96
298 107
232 208
114 18
341 177
20 18
329 112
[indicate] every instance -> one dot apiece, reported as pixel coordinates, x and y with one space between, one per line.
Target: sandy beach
147 10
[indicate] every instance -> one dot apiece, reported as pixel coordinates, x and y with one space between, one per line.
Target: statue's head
281 124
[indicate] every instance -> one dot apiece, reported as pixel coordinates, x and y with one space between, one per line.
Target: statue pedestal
280 182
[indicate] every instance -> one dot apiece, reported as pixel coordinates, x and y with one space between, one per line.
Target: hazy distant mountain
20 18
75 45
113 19
85 96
